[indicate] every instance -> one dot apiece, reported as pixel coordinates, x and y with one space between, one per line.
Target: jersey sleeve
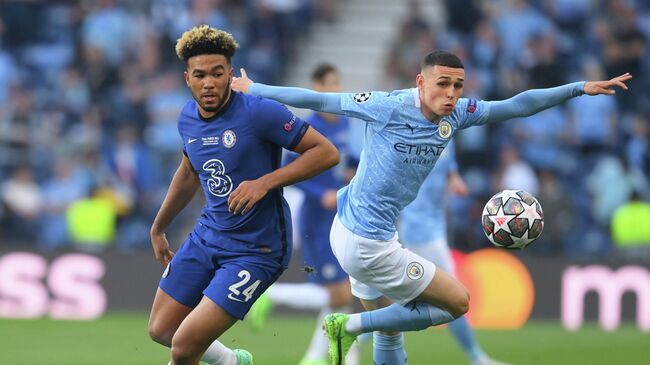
471 112
375 106
273 122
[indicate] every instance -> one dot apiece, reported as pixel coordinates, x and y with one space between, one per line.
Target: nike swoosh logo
233 298
191 140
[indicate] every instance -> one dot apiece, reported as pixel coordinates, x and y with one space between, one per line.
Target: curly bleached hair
205 40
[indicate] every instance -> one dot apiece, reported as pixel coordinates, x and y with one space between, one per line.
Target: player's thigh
240 281
378 303
446 292
180 290
436 251
201 327
165 318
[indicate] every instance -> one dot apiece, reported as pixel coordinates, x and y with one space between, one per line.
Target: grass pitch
122 339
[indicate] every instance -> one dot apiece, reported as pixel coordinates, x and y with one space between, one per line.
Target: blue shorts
317 255
231 280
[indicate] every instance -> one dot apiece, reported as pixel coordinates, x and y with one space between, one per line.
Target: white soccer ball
512 219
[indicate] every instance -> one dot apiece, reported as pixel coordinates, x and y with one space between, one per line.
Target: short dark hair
321 71
442 58
205 40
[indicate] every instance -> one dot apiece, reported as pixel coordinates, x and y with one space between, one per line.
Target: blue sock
388 350
414 316
465 337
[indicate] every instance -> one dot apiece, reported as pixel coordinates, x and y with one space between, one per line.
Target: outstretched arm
294 96
531 102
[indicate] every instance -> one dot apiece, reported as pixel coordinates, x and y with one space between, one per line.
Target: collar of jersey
233 95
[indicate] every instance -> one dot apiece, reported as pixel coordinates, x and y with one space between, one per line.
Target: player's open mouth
210 98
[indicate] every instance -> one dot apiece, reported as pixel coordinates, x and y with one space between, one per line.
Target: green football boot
243 357
340 340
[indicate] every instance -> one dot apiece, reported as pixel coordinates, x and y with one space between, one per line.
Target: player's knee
460 304
160 334
183 352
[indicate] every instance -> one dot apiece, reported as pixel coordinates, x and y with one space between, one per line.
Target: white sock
354 323
218 354
319 344
299 296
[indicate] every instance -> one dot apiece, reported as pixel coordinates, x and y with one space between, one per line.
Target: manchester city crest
445 129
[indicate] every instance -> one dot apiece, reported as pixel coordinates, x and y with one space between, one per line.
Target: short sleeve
471 112
273 122
371 106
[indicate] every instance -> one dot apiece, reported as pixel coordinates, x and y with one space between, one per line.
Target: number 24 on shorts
235 291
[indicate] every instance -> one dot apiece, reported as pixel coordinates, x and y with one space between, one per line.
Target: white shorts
378 267
436 251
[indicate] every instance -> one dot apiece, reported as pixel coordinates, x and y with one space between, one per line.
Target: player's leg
388 347
439 253
165 318
432 296
199 331
237 283
180 290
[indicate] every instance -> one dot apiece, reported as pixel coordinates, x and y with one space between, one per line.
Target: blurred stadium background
89 95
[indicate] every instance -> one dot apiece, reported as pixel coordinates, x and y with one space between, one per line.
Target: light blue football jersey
401 148
401 145
424 220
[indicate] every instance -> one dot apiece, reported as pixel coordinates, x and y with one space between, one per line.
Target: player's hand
242 200
242 83
604 87
457 185
161 248
328 201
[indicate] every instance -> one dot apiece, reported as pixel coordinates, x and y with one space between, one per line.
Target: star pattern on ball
501 220
530 213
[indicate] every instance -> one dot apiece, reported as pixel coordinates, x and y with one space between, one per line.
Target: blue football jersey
424 220
242 142
401 148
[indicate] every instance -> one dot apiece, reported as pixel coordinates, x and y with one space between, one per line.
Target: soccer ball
512 219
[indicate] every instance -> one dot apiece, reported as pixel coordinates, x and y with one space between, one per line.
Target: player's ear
187 78
419 81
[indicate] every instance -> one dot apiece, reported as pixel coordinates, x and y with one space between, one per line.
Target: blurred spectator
623 48
516 23
91 222
516 174
593 120
559 218
66 186
637 151
22 198
611 186
630 228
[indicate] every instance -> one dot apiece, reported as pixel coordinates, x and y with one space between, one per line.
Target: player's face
440 87
208 77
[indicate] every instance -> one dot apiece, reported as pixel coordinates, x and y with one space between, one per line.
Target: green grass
122 339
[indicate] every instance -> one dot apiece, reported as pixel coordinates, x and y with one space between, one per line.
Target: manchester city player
406 132
422 229
328 288
241 243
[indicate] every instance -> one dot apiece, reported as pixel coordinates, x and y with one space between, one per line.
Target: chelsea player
241 243
422 229
328 288
406 132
